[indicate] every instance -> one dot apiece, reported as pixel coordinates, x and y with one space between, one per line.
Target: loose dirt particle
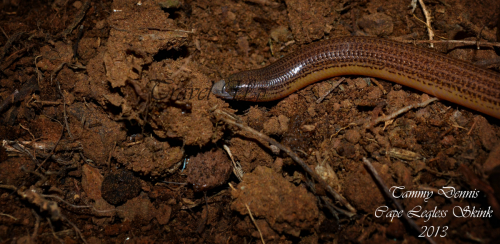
280 34
352 136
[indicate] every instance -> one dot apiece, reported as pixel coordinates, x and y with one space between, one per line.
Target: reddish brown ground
134 104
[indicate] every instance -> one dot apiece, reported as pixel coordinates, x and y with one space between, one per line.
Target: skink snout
219 89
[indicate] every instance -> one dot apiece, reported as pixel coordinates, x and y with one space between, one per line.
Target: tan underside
436 90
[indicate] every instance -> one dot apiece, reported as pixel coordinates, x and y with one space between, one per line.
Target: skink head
239 87
219 89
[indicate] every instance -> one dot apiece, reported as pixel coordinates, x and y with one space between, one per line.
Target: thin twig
8 187
53 233
290 153
37 226
488 63
162 29
42 177
53 149
9 43
8 215
4 32
464 42
28 130
182 68
334 85
330 207
77 230
255 223
14 56
471 27
237 170
400 111
78 206
385 191
264 3
355 4
202 226
19 95
16 147
379 85
63 98
428 19
472 127
76 20
77 42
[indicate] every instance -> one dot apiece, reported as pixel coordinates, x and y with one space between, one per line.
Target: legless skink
425 70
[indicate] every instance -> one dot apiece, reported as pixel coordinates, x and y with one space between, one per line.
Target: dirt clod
285 207
151 157
276 126
120 186
377 24
493 160
92 182
363 187
352 136
208 170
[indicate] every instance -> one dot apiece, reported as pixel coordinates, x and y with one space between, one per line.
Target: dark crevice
174 54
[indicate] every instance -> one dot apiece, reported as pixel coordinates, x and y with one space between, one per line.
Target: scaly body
425 70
